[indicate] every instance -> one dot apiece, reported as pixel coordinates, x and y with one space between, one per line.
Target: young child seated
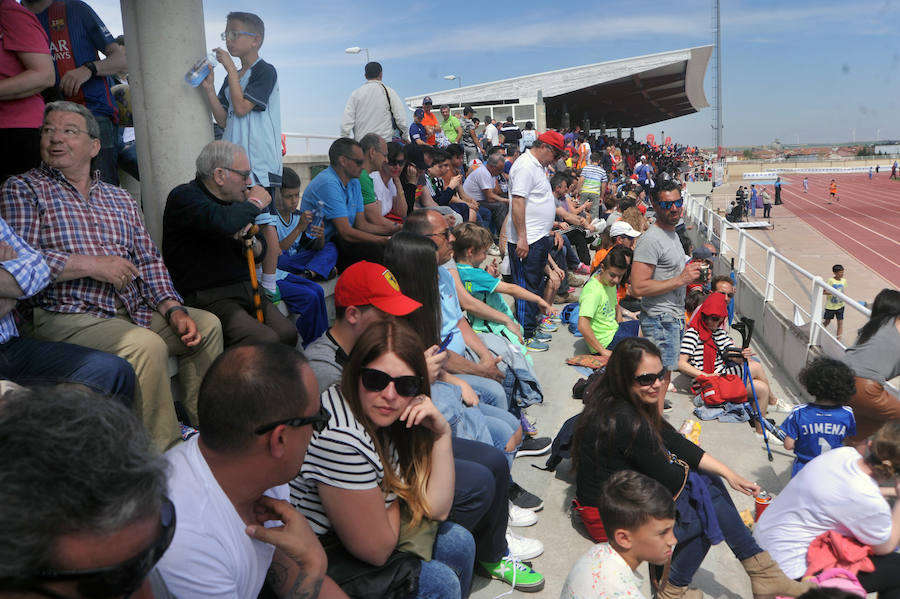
639 516
303 252
812 429
599 316
470 250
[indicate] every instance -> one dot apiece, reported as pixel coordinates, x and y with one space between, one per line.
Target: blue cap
427 100
419 112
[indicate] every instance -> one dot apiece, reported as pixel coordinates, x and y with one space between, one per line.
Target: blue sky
807 71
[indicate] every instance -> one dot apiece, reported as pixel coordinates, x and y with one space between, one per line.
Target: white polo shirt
528 179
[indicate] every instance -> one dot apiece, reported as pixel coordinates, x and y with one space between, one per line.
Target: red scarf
714 305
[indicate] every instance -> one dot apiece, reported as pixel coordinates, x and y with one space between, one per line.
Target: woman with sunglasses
391 203
621 429
382 469
706 349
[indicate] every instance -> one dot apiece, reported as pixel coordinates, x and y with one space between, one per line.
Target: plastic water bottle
200 70
318 218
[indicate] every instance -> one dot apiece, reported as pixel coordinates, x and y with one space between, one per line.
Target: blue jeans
692 545
629 328
480 497
449 573
465 422
502 425
107 160
529 273
665 331
26 361
488 390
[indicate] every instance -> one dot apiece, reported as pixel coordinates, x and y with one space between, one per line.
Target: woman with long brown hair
382 470
621 429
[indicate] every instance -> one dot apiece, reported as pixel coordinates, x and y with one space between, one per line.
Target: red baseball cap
365 283
554 139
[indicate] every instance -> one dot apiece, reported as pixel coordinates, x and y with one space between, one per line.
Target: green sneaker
516 574
273 297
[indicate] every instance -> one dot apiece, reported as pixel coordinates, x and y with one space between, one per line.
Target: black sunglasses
445 234
645 380
118 580
375 380
318 422
398 162
358 161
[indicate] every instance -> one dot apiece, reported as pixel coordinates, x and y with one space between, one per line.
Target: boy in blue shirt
296 268
469 250
812 429
248 107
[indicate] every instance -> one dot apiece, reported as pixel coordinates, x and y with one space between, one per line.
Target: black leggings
885 580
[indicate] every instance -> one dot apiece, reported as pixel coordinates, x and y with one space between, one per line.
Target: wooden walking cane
251 264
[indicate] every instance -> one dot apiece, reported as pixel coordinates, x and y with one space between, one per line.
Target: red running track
864 221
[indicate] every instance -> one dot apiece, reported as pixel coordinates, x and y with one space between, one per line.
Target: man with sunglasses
259 406
531 217
109 289
338 188
205 223
659 275
85 524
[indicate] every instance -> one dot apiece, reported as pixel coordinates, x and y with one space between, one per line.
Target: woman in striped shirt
383 466
705 349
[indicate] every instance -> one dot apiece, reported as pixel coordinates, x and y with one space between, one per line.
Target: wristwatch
91 67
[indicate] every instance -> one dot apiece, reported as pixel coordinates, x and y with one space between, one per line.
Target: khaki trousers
148 351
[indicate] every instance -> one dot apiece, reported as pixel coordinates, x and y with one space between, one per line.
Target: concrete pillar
540 113
164 38
619 132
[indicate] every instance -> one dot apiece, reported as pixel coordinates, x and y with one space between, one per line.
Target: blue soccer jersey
817 429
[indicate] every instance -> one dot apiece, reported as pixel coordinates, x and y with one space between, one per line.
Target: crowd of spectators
369 455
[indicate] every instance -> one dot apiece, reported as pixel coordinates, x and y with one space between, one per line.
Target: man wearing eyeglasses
659 276
231 479
338 188
77 35
109 288
204 226
85 523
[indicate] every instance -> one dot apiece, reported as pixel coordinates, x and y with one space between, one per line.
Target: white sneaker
523 548
782 406
519 516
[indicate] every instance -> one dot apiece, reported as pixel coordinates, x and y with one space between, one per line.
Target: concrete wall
738 168
304 164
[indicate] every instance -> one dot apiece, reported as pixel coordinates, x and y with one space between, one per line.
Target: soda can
763 499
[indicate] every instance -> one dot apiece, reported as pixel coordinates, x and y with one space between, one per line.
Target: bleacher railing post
815 313
742 252
770 274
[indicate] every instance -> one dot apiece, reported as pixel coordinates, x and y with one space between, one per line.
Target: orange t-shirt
833 188
430 120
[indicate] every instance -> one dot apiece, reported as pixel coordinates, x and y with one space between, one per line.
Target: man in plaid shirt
109 288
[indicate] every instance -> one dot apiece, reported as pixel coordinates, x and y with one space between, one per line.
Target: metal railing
715 228
307 137
736 241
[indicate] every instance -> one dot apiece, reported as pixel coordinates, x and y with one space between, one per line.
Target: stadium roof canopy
630 92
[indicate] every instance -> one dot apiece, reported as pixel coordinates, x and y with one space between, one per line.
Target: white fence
307 143
804 309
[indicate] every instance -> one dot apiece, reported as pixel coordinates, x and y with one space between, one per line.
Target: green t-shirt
368 188
598 302
449 126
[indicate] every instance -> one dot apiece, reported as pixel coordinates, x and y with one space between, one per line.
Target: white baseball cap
620 227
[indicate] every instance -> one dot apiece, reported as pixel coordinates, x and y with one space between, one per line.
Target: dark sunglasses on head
319 421
645 380
668 205
375 380
118 580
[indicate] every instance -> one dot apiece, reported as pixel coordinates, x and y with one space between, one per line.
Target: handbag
715 389
397 578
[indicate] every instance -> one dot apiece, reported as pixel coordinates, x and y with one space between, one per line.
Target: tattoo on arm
276 576
297 592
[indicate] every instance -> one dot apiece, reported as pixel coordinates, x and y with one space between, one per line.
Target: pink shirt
20 31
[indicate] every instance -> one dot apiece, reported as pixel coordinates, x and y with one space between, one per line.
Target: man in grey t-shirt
659 276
